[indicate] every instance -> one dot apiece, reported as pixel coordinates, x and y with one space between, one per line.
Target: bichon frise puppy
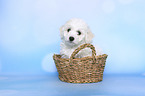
73 34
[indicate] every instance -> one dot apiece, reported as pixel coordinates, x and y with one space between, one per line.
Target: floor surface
112 85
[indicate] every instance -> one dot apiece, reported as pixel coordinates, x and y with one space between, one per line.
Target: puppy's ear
61 31
89 36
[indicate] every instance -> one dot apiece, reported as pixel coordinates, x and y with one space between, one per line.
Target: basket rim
83 58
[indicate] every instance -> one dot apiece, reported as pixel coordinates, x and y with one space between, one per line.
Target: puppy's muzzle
71 38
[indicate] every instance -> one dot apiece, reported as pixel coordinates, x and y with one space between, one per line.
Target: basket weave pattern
81 70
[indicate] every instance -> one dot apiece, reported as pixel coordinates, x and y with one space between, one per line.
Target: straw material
81 70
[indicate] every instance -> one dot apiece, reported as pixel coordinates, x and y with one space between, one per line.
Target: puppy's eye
79 32
69 29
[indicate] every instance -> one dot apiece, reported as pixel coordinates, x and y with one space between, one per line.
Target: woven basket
81 70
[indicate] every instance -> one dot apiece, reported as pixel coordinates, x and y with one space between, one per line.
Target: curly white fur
74 33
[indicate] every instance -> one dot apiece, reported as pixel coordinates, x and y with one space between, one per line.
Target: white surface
112 85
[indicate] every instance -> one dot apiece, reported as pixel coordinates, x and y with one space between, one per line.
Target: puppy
74 33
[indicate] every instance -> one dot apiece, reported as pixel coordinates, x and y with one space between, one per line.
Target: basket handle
82 47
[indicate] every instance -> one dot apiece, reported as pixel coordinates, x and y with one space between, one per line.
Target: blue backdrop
29 33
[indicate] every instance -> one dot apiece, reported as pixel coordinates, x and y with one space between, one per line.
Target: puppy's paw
99 51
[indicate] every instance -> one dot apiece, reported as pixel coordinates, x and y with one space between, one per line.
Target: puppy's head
75 32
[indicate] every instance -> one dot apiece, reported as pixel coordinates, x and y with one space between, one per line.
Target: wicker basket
81 70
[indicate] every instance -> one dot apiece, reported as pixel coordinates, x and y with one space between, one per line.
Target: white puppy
73 34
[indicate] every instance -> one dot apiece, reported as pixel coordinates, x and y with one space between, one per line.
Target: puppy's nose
71 38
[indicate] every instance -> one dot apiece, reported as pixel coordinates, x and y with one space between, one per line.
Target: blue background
29 33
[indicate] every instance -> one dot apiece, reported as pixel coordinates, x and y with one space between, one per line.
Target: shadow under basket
81 70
